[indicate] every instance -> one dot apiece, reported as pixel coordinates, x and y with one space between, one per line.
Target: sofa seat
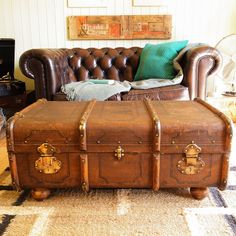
173 92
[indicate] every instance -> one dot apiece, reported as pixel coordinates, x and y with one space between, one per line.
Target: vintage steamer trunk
134 144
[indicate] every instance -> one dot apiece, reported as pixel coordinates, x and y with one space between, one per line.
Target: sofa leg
199 193
40 194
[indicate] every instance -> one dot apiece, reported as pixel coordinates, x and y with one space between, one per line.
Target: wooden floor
3 152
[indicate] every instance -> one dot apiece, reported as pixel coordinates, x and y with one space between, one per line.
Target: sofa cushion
174 92
156 61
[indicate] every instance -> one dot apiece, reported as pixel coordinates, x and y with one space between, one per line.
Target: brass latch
47 163
119 152
192 163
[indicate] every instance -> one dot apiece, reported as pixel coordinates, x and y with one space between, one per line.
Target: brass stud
140 142
98 142
119 142
173 142
192 142
25 141
213 141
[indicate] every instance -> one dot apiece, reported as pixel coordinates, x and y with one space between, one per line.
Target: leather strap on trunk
83 124
83 146
84 172
156 145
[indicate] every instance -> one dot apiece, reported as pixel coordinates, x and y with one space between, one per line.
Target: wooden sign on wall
120 27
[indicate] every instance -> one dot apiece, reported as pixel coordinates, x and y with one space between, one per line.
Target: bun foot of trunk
40 194
199 193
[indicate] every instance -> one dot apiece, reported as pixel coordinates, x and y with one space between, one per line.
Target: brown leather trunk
133 144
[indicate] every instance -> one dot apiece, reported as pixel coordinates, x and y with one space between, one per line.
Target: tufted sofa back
117 64
53 67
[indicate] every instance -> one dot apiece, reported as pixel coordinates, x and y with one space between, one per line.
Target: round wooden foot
199 193
40 194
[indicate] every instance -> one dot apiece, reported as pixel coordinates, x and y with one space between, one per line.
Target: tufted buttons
70 56
120 62
97 72
89 63
112 73
82 74
75 62
106 63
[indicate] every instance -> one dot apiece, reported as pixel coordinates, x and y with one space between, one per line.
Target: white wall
42 23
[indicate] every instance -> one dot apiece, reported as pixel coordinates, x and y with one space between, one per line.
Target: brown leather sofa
52 68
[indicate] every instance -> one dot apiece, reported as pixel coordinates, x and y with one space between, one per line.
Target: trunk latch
119 152
47 163
192 163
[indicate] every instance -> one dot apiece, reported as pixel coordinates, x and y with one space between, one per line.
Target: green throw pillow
156 61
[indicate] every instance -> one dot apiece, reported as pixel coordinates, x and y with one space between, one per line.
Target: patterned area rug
118 212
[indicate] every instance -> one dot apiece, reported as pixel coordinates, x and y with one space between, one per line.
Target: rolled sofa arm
198 63
48 68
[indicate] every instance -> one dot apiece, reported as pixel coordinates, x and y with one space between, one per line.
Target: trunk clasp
47 163
119 152
192 163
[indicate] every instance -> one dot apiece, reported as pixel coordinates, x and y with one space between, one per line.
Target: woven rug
117 212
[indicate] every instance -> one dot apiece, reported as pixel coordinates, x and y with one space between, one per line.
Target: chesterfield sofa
52 68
